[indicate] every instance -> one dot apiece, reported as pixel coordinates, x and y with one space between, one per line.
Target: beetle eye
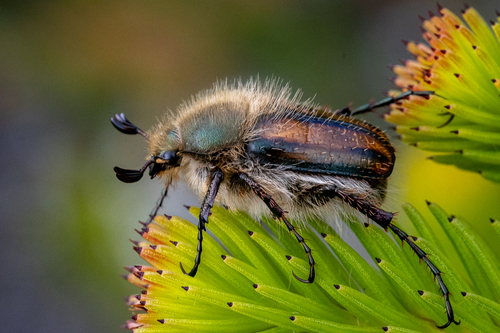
169 157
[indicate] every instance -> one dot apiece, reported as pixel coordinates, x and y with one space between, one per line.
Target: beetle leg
215 179
280 214
449 119
383 218
386 101
159 203
435 271
344 112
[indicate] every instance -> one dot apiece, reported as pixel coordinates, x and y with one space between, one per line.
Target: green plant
249 286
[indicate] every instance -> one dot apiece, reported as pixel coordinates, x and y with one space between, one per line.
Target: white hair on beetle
237 107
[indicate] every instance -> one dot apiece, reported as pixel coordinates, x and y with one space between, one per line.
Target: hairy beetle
255 146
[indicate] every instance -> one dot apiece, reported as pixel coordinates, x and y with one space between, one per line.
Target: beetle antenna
131 176
121 123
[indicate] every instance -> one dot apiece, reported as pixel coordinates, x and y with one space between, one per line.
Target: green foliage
250 287
461 67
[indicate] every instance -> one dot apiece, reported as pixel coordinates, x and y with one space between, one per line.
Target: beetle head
157 163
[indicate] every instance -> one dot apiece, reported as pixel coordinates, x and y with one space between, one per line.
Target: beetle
256 146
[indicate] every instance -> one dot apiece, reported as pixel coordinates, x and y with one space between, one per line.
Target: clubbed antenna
121 123
131 176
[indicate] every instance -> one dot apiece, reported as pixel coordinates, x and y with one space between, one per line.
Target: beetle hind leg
435 271
384 219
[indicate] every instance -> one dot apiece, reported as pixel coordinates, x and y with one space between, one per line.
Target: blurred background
67 66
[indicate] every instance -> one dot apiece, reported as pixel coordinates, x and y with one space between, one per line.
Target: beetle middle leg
280 214
383 218
216 178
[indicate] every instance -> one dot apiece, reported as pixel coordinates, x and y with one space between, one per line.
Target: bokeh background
67 66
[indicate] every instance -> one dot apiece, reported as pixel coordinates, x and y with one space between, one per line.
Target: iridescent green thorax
216 127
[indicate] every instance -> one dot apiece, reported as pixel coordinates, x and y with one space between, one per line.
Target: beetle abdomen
337 146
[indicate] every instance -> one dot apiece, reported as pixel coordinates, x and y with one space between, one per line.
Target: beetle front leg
159 203
215 179
280 214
